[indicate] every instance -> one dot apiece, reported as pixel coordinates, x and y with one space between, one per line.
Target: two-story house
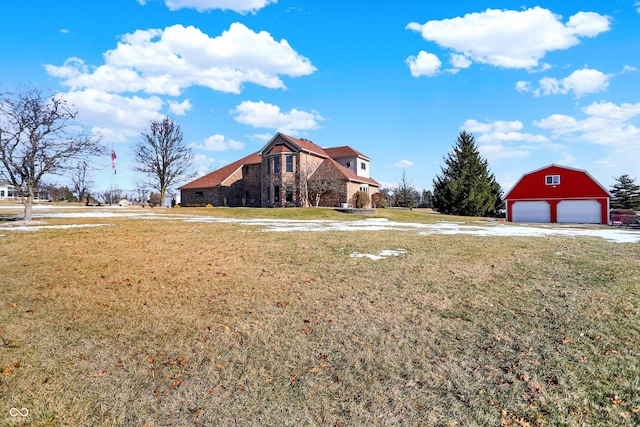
7 191
286 172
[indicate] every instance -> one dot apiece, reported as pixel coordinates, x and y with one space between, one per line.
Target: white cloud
509 38
168 61
580 83
460 61
180 108
261 138
264 115
115 117
637 6
605 124
240 6
425 64
523 86
503 139
403 163
202 164
219 143
500 151
474 126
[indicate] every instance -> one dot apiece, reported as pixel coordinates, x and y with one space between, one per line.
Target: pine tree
626 194
466 186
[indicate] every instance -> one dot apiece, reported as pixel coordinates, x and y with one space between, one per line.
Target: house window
1 193
289 193
363 166
552 179
276 194
276 164
289 163
199 194
364 189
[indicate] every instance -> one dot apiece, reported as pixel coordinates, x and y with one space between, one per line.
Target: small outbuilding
558 194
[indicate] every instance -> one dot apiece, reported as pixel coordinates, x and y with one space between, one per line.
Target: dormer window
363 166
552 179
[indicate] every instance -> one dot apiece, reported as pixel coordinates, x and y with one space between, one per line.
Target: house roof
586 187
350 175
344 151
281 149
302 143
218 176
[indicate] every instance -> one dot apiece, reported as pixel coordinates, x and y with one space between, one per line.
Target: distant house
558 194
7 191
286 172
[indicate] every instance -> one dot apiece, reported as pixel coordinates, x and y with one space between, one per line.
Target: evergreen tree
466 186
427 199
626 194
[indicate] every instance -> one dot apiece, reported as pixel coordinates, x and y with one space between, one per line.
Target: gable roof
302 144
218 176
344 151
596 189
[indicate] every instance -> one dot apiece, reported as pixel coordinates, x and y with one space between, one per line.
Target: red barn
558 194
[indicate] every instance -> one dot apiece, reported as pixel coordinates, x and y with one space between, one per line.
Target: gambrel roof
575 183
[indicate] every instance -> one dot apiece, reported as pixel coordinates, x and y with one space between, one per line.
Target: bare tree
327 178
162 156
81 182
111 196
405 193
38 137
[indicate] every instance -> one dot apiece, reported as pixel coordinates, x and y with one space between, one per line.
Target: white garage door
579 211
531 212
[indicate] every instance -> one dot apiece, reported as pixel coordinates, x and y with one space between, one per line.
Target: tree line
39 136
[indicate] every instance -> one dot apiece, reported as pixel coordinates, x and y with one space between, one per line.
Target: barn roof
574 183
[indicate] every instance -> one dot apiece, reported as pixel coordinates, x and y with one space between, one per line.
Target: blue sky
535 82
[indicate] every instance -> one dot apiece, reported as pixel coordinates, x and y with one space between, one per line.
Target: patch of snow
382 255
65 226
488 229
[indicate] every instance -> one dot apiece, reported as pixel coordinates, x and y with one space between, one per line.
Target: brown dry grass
163 322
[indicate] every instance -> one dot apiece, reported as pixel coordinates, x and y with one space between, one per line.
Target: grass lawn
166 322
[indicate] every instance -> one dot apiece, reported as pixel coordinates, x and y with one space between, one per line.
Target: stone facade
281 175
